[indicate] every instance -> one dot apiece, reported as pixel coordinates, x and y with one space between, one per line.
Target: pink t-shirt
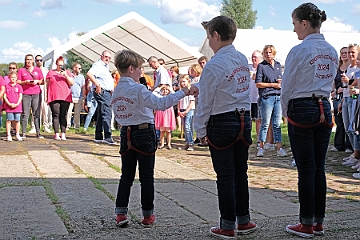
13 94
6 80
23 75
2 81
58 87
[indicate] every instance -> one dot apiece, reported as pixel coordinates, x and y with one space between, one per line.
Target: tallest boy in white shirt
224 99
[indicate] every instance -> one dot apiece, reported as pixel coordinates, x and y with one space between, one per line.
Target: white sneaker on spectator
356 175
281 153
356 166
46 129
334 149
347 158
351 162
269 146
33 130
9 138
18 137
348 150
260 152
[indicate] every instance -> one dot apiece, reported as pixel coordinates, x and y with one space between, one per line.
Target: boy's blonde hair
127 58
12 72
186 77
197 69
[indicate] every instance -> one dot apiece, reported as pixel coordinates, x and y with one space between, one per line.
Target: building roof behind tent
248 40
131 31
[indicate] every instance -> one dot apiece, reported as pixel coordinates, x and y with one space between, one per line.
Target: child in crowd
165 120
195 72
186 108
133 106
13 106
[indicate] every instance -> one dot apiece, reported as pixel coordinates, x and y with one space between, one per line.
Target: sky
38 26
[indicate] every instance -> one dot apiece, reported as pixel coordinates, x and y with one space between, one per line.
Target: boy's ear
130 69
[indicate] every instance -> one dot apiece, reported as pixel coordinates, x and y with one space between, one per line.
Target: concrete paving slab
268 205
17 169
194 199
179 171
168 212
26 212
92 165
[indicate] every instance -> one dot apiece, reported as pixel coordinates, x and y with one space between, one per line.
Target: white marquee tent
133 32
248 40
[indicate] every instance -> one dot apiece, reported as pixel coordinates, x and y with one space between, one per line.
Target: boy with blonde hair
133 106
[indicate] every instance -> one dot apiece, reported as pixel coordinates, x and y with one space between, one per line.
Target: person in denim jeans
348 104
186 108
268 81
133 106
91 105
223 114
310 69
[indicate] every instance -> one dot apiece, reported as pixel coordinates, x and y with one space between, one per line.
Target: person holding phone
30 77
59 96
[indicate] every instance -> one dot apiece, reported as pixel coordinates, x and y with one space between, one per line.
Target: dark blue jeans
309 146
103 121
144 140
231 167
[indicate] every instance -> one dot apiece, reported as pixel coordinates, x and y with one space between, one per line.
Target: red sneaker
246 228
148 221
301 230
318 229
121 220
221 233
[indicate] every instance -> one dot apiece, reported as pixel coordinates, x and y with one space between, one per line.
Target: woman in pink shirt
12 105
2 91
59 96
30 77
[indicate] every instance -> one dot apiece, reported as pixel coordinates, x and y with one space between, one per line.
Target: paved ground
66 190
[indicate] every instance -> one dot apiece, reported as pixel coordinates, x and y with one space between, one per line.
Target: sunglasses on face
38 60
12 68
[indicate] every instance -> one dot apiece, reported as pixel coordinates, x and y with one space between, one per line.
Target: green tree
241 11
72 58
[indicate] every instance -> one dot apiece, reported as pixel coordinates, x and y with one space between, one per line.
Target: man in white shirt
101 78
161 74
223 115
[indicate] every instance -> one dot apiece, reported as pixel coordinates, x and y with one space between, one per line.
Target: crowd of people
218 101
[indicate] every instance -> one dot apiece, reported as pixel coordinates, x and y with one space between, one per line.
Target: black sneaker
197 140
39 136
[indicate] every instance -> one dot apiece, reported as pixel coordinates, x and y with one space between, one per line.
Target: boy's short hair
126 58
202 58
223 25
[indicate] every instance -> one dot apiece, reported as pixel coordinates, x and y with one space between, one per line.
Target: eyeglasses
38 60
12 68
352 45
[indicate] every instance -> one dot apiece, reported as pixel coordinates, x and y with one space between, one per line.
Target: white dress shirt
223 86
133 103
102 75
162 77
310 68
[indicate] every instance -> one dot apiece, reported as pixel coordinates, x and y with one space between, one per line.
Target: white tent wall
133 32
248 40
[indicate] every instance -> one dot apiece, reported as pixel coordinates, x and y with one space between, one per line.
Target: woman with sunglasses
310 68
30 77
2 91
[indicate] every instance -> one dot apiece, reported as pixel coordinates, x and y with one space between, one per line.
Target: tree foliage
71 58
241 11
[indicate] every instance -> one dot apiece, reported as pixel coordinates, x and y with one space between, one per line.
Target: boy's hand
194 91
186 91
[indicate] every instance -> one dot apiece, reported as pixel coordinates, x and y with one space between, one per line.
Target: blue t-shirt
265 72
79 82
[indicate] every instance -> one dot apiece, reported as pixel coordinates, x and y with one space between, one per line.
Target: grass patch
98 186
116 168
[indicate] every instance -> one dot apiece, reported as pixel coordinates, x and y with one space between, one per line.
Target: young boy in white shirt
133 106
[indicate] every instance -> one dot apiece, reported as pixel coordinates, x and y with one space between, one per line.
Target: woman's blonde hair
197 69
273 50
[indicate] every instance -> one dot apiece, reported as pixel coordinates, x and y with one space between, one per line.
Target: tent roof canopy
131 31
